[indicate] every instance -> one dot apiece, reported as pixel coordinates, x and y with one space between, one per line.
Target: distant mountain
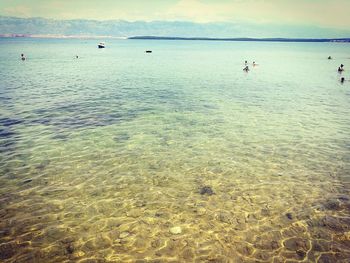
120 28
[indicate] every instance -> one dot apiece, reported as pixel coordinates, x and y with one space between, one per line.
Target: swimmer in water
340 69
254 64
329 57
246 69
246 62
76 57
23 57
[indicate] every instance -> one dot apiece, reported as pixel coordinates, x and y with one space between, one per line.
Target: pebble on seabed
124 235
206 190
176 230
289 216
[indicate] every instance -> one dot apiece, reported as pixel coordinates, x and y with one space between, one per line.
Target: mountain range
120 28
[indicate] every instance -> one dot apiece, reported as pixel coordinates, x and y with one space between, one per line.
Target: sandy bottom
64 205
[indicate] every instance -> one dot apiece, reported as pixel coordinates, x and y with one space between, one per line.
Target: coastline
54 36
246 39
240 39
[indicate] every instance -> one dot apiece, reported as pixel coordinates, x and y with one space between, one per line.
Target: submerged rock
224 217
70 248
334 223
27 181
289 216
206 190
296 244
343 198
332 204
176 230
265 212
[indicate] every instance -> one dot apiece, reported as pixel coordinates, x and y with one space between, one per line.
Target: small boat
148 51
101 45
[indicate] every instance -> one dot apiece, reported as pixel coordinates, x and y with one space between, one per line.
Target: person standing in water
23 57
341 68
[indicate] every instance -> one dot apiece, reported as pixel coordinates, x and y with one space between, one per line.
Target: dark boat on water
101 45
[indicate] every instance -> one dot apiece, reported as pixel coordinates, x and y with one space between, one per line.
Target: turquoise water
174 156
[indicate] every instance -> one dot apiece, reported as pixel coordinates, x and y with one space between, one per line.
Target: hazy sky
324 13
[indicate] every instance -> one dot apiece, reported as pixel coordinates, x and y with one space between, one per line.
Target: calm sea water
174 156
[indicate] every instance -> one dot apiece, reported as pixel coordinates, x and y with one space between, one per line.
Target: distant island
239 39
342 40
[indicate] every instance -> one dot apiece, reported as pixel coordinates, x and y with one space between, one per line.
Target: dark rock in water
70 248
289 216
321 246
334 223
8 250
332 205
158 214
265 212
27 181
343 198
328 258
296 244
206 190
301 254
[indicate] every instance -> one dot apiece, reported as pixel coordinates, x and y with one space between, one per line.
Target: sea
178 155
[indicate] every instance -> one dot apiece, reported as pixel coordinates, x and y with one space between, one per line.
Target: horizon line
174 38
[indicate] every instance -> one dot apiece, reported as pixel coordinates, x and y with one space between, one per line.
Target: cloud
196 10
20 10
324 13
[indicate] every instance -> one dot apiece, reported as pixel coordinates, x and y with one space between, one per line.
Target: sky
321 13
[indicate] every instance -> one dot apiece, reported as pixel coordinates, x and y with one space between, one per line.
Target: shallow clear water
174 156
